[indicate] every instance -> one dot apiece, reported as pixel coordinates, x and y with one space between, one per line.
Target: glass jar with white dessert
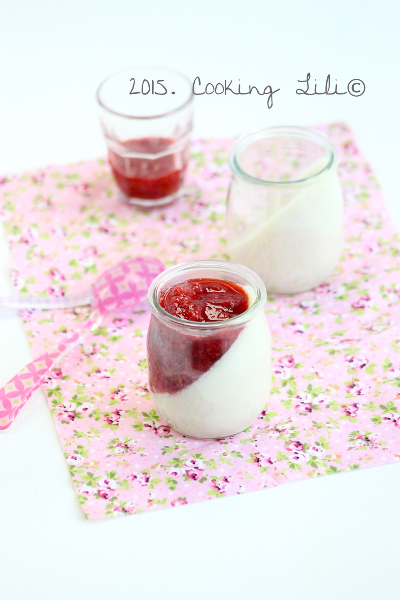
285 207
208 348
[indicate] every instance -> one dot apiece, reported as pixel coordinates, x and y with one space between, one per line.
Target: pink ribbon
122 286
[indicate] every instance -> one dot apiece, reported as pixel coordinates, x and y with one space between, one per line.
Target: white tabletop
333 537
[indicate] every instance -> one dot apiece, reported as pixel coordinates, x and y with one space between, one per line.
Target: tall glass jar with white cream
209 379
285 207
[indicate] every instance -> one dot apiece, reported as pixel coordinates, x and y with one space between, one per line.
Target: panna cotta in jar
285 208
209 348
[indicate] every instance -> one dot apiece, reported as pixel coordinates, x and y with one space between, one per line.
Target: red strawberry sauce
204 300
148 178
177 358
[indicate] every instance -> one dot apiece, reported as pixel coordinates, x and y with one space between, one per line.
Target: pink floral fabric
122 286
20 388
335 396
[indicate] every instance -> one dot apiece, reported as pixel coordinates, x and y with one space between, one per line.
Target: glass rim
146 117
267 132
192 266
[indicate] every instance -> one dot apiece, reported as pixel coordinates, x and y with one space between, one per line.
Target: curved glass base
145 204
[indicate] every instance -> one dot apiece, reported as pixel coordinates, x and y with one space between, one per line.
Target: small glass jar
285 207
209 379
146 114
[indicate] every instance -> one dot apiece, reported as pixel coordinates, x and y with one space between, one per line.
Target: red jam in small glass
146 177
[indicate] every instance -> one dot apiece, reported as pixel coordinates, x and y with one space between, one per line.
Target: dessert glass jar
209 379
285 207
146 114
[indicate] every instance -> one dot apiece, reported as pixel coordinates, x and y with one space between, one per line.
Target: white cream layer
230 395
295 248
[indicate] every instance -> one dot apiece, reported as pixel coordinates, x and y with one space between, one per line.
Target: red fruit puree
148 178
204 300
177 358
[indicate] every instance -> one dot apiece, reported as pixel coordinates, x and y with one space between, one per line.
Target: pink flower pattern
124 285
334 404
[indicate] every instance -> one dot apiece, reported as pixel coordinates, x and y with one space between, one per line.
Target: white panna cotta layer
296 244
231 394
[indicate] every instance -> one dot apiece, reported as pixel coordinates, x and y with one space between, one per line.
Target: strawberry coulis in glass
147 178
178 358
204 300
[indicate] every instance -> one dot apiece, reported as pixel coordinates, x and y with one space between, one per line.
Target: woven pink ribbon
122 286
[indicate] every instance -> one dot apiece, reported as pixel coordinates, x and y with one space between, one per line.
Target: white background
335 537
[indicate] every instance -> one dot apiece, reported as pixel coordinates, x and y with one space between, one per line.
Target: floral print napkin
335 395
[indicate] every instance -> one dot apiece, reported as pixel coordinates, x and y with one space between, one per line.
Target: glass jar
146 114
285 207
209 379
